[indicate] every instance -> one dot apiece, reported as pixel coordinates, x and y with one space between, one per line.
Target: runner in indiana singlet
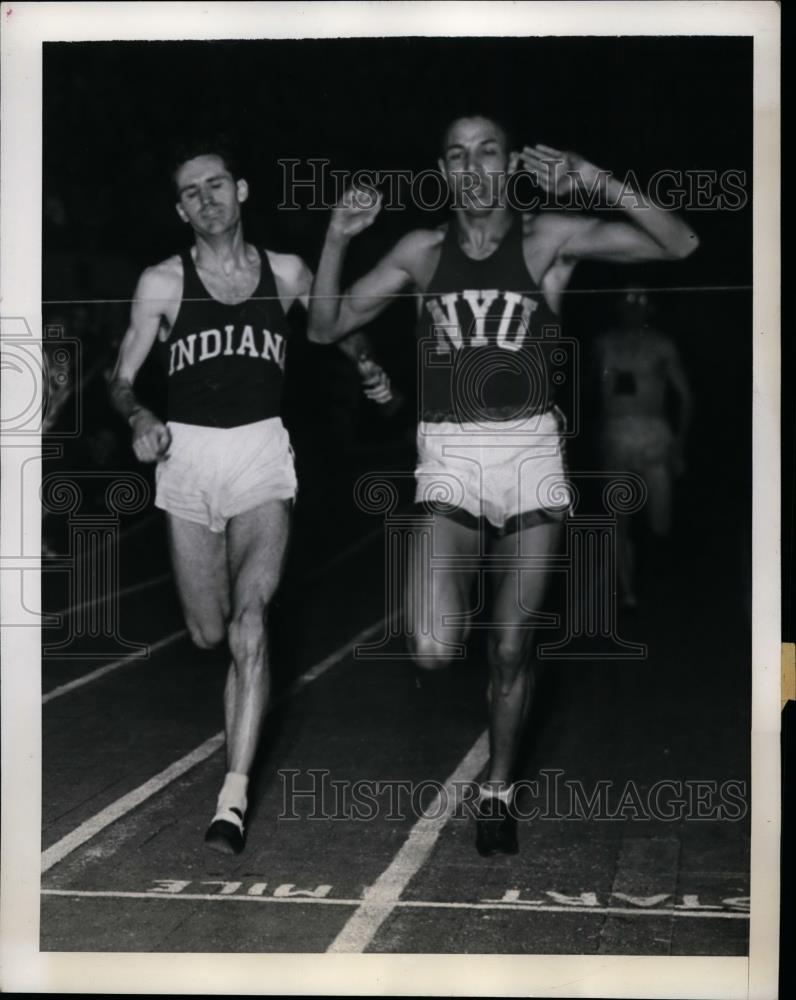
225 363
485 336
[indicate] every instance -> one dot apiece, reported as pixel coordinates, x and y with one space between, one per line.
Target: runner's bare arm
355 344
650 233
293 279
151 437
294 283
332 314
146 315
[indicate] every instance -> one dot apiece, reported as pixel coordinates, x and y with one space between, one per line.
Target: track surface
133 761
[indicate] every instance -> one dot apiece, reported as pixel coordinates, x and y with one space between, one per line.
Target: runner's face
209 197
476 163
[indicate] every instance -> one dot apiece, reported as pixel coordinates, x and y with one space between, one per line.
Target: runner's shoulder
161 282
286 264
417 250
422 240
289 268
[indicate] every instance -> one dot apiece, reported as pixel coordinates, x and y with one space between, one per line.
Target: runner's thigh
439 593
517 594
257 546
199 558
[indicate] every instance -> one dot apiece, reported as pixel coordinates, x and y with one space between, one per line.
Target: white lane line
381 898
91 827
214 897
313 673
167 640
125 533
115 665
134 588
305 678
203 897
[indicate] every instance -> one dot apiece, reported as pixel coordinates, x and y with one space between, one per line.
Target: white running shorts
511 473
214 473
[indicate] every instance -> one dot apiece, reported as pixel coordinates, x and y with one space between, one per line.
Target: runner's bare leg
257 545
517 597
439 603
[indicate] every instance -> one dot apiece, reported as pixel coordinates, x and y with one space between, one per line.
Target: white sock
496 789
233 792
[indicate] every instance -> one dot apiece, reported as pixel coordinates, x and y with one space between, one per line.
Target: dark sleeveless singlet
225 363
486 337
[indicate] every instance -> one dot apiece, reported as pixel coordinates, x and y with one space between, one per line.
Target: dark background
112 113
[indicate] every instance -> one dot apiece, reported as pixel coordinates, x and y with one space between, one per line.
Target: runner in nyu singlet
224 470
487 339
494 308
488 437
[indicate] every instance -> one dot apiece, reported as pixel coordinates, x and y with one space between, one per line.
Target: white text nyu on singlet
512 322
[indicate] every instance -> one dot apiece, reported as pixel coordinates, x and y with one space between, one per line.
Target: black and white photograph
394 552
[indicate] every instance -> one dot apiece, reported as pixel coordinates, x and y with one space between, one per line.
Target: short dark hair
204 145
477 112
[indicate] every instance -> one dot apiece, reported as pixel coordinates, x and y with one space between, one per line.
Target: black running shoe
226 835
495 828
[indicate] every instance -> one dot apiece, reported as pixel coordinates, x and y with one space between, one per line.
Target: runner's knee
206 635
508 655
247 636
430 653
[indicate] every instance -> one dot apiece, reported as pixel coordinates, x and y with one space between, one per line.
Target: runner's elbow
321 331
